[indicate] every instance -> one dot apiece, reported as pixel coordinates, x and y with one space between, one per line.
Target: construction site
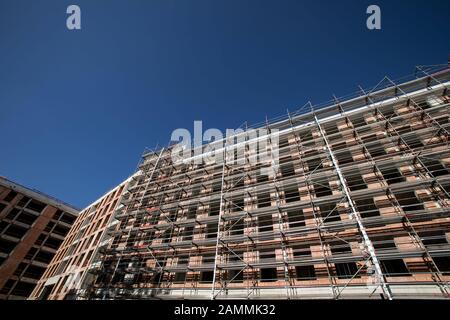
357 207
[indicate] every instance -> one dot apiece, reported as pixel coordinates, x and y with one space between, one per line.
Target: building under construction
356 207
32 228
68 269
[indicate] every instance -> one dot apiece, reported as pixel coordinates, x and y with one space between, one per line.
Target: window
367 208
301 251
3 225
214 208
392 175
237 227
7 246
284 142
16 231
322 188
264 200
375 149
10 196
331 128
8 285
36 206
262 178
44 257
266 254
340 247
187 233
49 226
40 239
288 170
384 243
67 218
23 201
235 275
192 211
26 218
211 230
408 201
355 181
237 204
180 277
343 157
53 243
34 272
435 167
296 218
217 186
20 268
443 264
22 289
206 276
413 141
268 274
305 272
238 183
2 206
196 191
291 195
46 292
12 214
30 253
346 270
433 238
329 212
394 268
314 163
57 215
265 223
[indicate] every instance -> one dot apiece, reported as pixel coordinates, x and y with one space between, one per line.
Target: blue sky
77 108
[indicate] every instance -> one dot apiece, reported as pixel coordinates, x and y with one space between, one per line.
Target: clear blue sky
78 108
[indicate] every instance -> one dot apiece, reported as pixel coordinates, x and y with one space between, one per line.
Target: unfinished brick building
68 269
32 227
357 208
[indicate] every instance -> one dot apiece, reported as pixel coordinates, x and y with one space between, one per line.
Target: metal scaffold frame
314 224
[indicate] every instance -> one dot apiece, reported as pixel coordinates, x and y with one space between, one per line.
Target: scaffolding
353 202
